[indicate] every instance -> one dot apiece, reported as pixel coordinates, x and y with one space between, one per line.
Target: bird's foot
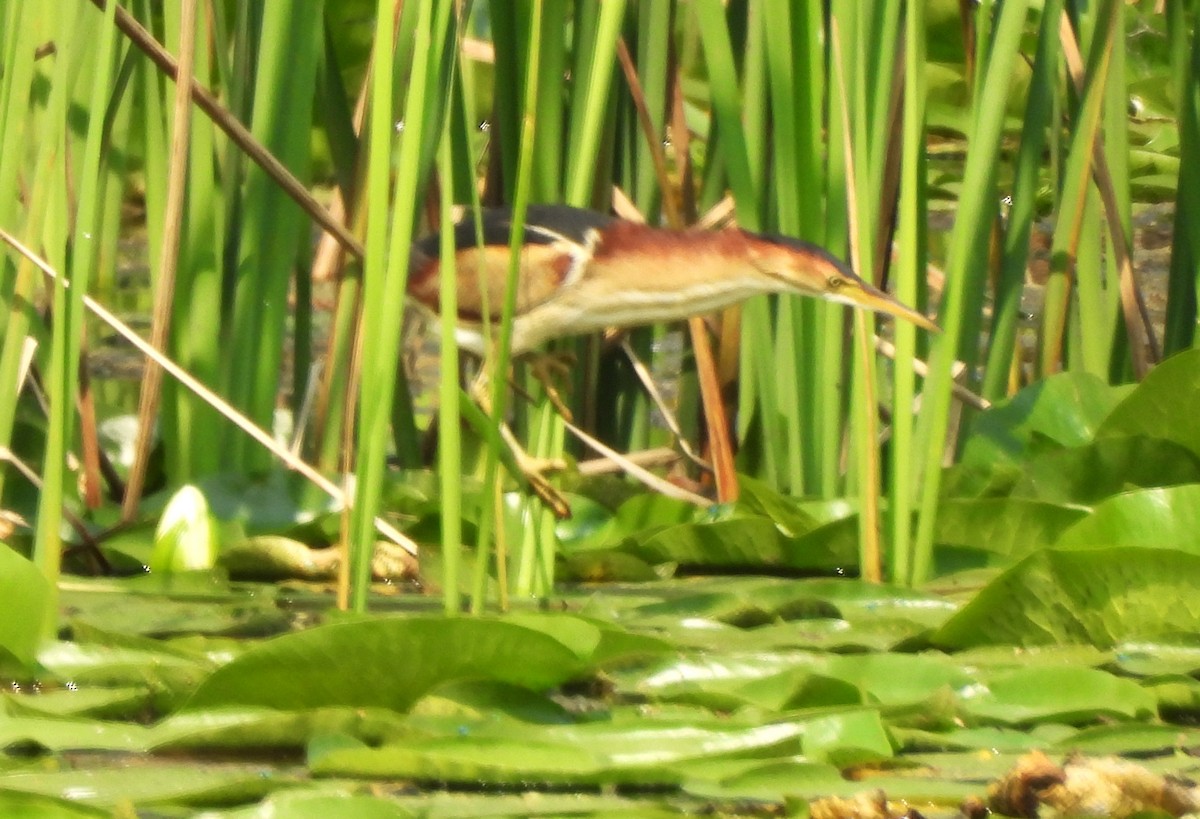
535 470
547 368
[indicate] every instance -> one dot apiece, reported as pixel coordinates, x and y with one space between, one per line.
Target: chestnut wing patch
546 258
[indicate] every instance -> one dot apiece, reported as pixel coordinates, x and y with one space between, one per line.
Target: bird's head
799 267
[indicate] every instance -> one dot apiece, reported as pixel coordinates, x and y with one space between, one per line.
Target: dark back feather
543 225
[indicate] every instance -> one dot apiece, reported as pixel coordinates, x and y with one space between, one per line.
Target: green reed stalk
909 277
62 384
25 29
449 432
1077 177
193 429
1006 311
501 354
796 172
47 549
273 226
1115 148
1184 279
966 263
386 273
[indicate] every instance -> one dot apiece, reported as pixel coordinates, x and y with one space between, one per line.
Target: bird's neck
682 272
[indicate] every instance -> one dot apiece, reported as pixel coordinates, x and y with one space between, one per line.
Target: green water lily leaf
591 524
734 608
1162 405
604 566
223 729
478 760
497 805
334 803
28 607
79 734
650 509
1178 696
1146 658
116 702
169 674
854 737
1006 526
997 657
828 634
976 768
988 480
1096 596
1132 738
1089 473
688 678
391 662
832 546
482 701
219 611
779 614
1168 517
892 680
236 729
650 742
791 689
1063 410
771 781
595 640
740 542
996 739
189 783
798 780
1063 694
758 498
34 806
636 752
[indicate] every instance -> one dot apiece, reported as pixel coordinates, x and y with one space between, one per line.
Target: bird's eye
834 282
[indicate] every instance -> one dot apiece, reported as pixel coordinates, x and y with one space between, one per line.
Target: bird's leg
532 468
545 368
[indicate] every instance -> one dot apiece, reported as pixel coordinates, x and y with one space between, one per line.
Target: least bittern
582 272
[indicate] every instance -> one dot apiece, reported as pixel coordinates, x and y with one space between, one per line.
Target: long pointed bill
867 297
811 270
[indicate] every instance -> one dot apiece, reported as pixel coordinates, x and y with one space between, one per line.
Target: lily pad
1005 526
28 606
1106 466
332 804
740 542
1064 694
1163 518
174 783
1162 406
1096 596
1063 410
390 663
